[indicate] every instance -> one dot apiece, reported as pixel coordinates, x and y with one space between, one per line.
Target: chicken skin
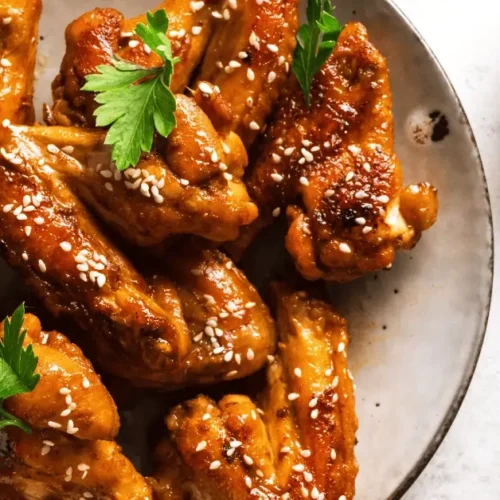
18 42
248 58
94 37
333 168
296 442
70 453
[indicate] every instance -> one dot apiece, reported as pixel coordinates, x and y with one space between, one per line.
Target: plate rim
459 397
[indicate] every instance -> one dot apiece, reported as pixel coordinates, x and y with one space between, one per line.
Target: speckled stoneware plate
416 330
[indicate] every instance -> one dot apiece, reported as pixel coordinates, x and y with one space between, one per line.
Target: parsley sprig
315 42
136 101
17 367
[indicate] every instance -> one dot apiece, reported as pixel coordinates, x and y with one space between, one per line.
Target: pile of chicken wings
144 261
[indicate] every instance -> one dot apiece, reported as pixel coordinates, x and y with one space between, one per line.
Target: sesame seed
329 193
7 208
234 64
232 373
270 358
254 125
355 150
39 221
367 229
52 148
65 412
133 44
345 248
307 155
271 77
201 446
360 195
341 347
254 40
184 182
289 151
250 74
87 494
328 372
235 444
285 450
298 467
83 467
227 176
196 30
5 123
83 277
249 102
101 280
42 266
383 198
250 354
54 425
66 246
206 416
361 221
367 167
293 396
298 372
276 158
349 176
314 414
304 181
308 477
248 481
217 15
248 460
7 20
242 55
5 63
333 454
64 391
228 356
45 450
48 443
206 88
276 212
25 256
305 453
272 47
343 497
250 305
313 402
314 493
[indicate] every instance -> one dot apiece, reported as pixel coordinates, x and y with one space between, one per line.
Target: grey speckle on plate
416 330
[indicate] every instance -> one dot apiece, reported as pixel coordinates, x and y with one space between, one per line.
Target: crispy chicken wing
333 165
298 443
18 42
249 57
191 184
70 453
94 37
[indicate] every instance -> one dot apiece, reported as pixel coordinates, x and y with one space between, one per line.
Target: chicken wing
249 57
18 42
298 442
192 184
70 453
333 165
94 37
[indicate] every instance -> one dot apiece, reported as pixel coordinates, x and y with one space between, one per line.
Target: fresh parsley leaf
17 367
136 101
316 40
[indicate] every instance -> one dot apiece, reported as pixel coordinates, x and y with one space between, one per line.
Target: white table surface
465 37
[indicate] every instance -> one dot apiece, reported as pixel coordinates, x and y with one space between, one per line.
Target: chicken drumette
333 168
297 443
71 453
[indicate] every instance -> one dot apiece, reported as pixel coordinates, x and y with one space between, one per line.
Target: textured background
464 36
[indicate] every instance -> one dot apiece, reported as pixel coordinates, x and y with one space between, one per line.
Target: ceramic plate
416 330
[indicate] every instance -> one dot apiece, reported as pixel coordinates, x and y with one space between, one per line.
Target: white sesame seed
66 246
254 40
7 208
343 497
7 20
361 221
298 467
83 467
45 450
228 356
304 181
64 391
235 444
201 446
329 193
87 494
307 155
42 266
305 453
273 48
333 454
25 256
360 195
183 182
248 481
196 30
218 350
285 450
217 15
54 425
234 64
133 44
293 396
270 358
232 373
101 280
271 77
250 74
289 151
65 412
83 277
242 55
250 354
52 148
298 372
249 102
315 149
328 372
367 167
349 176
39 221
5 63
254 125
5 123
248 460
227 176
354 149
22 217
345 248
314 414
308 477
206 88
83 267
383 198
206 416
313 402
276 159
367 229
276 212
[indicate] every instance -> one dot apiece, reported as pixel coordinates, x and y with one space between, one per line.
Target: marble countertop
464 36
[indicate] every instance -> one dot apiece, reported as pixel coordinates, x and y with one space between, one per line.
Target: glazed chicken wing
70 453
249 57
94 37
191 184
297 443
18 42
332 166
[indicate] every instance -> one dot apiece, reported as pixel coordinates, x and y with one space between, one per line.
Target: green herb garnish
17 367
315 42
135 100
